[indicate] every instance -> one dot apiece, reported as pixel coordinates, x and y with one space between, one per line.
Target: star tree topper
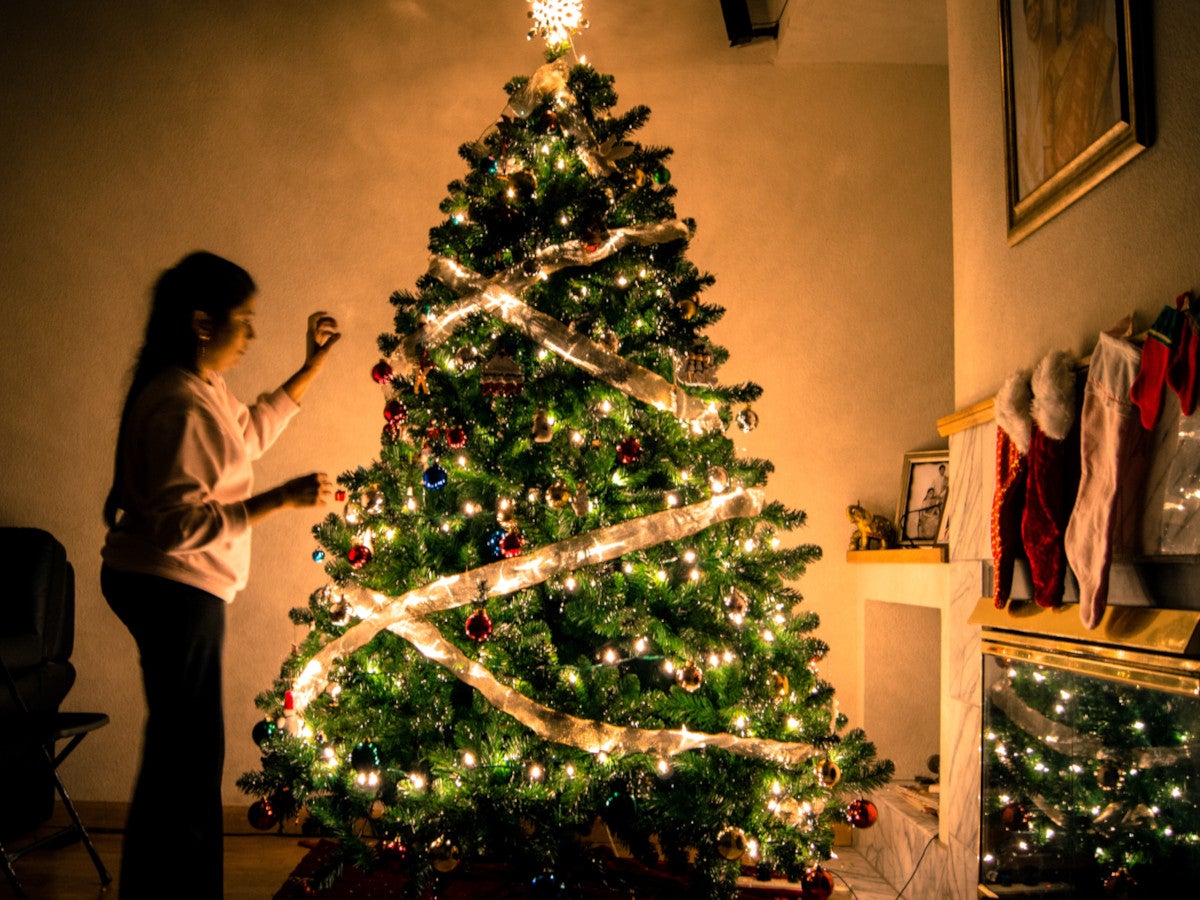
556 20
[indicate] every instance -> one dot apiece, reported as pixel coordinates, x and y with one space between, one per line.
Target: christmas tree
1089 782
558 603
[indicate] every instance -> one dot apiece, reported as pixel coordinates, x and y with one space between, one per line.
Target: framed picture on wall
924 491
1076 108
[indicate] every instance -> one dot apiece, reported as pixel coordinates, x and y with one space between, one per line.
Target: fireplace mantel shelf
933 554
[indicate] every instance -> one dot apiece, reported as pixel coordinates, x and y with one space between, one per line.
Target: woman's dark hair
200 281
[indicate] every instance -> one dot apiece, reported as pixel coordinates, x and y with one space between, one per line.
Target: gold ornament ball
731 843
747 419
543 431
788 810
687 309
718 479
779 682
828 773
444 855
558 495
690 678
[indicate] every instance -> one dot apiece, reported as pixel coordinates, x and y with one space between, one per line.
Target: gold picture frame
1076 104
924 495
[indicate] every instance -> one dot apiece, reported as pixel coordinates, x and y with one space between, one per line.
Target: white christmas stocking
1112 452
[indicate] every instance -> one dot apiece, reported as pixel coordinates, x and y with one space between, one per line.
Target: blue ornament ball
435 477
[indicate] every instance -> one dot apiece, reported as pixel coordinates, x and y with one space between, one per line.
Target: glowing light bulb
536 772
468 759
417 780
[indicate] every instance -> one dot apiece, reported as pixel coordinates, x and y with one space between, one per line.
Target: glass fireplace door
1091 771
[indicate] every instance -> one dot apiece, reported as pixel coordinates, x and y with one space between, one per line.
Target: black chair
37 635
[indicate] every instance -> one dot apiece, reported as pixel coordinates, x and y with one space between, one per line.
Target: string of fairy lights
366 613
1042 752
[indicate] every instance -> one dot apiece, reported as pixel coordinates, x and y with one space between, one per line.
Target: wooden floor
256 863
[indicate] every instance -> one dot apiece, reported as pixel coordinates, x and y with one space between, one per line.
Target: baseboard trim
105 815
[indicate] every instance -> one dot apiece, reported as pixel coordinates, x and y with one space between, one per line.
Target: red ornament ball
816 884
1014 817
478 626
456 437
862 813
1120 885
382 372
262 815
395 411
358 555
391 853
629 451
511 544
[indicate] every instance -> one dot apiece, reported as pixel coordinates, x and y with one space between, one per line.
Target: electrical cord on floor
928 844
843 881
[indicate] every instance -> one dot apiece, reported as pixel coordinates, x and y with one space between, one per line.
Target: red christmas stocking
1045 517
1182 371
1147 390
1014 427
1113 452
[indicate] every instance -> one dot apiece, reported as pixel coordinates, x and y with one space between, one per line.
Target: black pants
175 820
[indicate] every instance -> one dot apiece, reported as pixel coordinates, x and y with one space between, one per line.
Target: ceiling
857 31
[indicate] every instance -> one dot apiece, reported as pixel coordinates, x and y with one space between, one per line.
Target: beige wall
1128 245
312 142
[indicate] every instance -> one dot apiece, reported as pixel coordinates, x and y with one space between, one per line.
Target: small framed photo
924 492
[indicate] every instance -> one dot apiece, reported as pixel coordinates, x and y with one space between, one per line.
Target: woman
179 516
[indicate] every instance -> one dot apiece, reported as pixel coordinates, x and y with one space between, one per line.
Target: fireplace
1090 783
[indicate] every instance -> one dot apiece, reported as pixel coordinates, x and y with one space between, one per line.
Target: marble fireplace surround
944 850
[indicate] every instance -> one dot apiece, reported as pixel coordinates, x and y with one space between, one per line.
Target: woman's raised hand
322 335
314 489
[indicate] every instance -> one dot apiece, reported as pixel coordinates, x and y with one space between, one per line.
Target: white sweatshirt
188 448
